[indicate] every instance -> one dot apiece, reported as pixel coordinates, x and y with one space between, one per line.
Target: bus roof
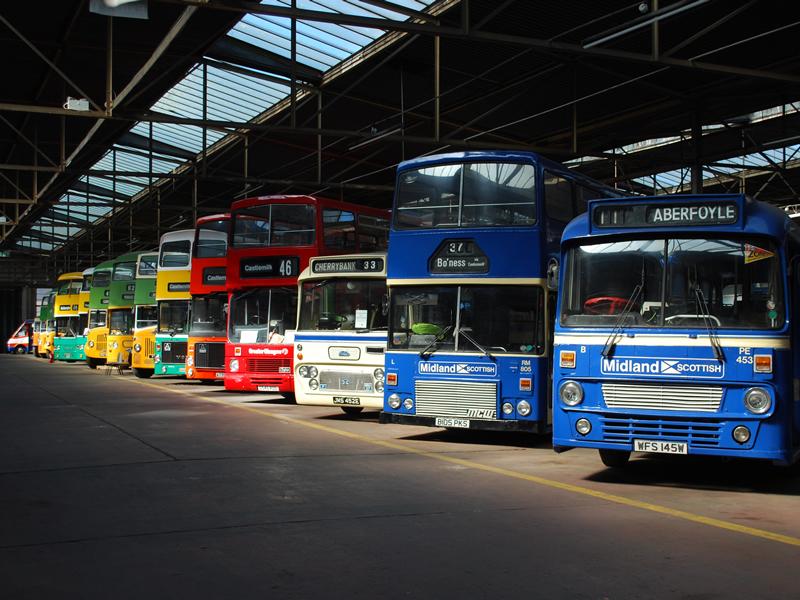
73 275
369 264
180 235
751 217
212 218
88 271
302 199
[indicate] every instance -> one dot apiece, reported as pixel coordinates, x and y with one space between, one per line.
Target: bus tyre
92 362
142 373
615 459
352 410
20 349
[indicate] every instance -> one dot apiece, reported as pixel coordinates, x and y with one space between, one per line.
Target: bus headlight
741 434
378 374
583 426
115 345
757 401
190 372
571 393
313 384
189 360
303 371
312 371
91 343
394 401
233 365
137 347
378 386
524 408
508 408
408 403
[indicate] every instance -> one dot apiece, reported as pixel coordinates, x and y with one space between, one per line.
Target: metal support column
436 67
110 66
293 100
697 163
319 136
205 115
655 32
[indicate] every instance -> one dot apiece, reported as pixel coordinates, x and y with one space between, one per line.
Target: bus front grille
209 355
173 353
345 381
655 396
149 347
101 344
699 432
465 399
269 365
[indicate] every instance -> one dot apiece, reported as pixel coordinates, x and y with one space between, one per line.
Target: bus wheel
616 459
20 349
352 410
92 362
142 373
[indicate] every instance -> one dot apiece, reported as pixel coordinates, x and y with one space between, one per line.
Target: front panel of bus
20 340
145 316
673 331
66 310
120 310
272 240
99 295
172 294
341 333
468 343
205 358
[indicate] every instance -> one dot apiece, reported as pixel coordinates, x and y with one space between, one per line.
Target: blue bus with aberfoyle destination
473 238
675 331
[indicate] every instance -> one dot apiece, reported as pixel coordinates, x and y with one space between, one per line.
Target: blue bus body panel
672 357
512 252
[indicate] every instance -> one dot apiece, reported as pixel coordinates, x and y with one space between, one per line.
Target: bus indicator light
525 384
762 363
391 378
567 359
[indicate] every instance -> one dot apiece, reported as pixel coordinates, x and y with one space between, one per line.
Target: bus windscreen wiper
702 307
476 344
428 350
616 331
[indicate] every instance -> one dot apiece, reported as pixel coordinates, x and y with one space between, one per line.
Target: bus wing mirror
552 275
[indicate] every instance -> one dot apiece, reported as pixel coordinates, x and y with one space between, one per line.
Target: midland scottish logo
462 369
706 368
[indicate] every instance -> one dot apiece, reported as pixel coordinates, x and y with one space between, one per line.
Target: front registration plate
448 422
349 400
268 388
219 375
660 447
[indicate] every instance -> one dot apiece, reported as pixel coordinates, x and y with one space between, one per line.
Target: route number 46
286 268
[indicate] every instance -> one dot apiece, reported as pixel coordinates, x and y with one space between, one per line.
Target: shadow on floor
484 438
704 473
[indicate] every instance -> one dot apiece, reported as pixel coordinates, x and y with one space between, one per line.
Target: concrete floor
113 487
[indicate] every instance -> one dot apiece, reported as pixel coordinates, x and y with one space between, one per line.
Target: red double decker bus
205 356
271 241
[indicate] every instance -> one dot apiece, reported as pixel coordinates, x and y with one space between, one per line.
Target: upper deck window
274 225
373 233
124 271
212 239
148 266
175 254
86 284
689 283
101 278
69 287
339 229
484 194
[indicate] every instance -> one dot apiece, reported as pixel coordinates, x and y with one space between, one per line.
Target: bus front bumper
474 424
247 382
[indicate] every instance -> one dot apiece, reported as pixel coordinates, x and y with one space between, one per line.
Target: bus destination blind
269 266
347 265
458 256
666 215
214 276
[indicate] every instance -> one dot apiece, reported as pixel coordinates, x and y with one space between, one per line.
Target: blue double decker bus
675 329
472 240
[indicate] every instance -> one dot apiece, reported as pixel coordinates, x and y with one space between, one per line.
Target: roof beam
142 142
96 190
484 36
235 51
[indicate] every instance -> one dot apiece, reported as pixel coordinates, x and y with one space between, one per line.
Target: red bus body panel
263 365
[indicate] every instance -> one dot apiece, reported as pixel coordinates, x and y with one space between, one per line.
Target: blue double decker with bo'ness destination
472 240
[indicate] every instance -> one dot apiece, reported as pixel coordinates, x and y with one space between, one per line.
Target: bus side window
373 233
339 229
558 198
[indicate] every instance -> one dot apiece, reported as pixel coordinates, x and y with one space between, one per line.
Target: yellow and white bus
173 298
341 332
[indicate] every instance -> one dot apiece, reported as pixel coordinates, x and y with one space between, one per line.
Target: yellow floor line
551 483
